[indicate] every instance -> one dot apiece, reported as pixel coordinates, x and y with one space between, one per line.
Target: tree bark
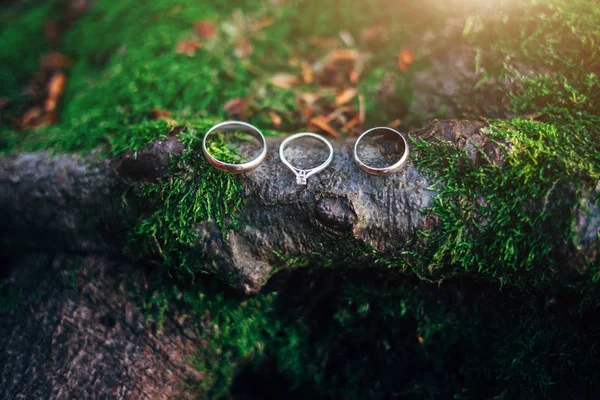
69 202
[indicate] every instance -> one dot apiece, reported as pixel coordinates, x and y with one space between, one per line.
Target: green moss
502 222
155 307
23 45
499 222
117 79
557 40
194 193
339 337
558 34
237 331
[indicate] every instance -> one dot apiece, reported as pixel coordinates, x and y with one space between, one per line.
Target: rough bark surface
83 336
74 203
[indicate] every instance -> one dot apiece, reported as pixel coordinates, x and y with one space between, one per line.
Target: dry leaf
342 55
159 114
307 112
51 31
243 48
205 29
345 96
357 69
354 76
55 60
77 8
188 47
285 81
306 101
236 106
352 123
370 34
338 113
177 129
46 88
534 116
395 123
56 87
27 120
361 109
310 97
275 119
307 72
48 119
261 24
323 41
405 59
320 123
35 117
347 38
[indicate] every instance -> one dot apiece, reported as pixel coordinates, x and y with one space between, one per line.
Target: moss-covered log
82 204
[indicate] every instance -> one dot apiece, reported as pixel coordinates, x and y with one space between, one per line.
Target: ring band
303 174
386 170
236 168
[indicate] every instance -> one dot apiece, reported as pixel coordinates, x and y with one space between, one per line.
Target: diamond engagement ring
303 174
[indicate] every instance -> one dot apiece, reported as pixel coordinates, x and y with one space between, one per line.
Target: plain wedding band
236 168
385 170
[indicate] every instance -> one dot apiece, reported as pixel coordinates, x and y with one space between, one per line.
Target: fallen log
74 203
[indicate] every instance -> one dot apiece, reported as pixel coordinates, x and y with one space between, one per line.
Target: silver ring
303 174
386 170
236 168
